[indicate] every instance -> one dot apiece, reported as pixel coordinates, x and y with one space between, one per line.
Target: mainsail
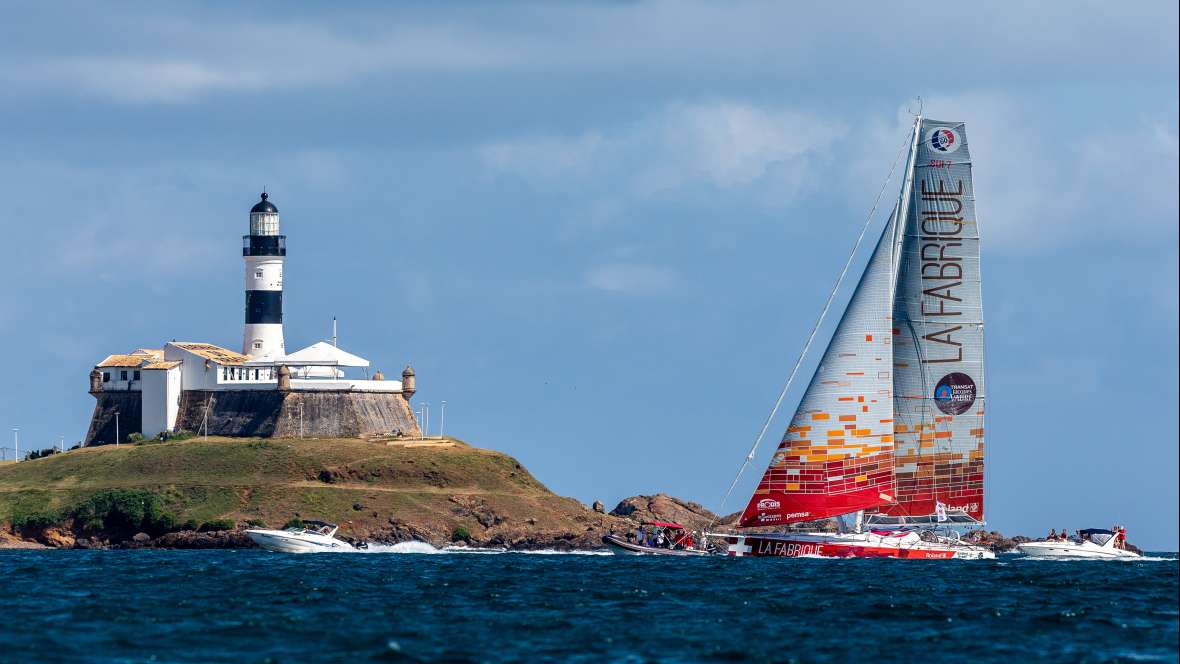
837 454
938 335
892 420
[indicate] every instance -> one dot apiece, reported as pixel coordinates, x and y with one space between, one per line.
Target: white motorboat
1093 544
313 537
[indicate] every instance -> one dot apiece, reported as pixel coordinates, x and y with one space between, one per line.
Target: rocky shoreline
499 532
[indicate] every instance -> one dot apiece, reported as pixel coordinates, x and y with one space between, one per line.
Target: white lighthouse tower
263 250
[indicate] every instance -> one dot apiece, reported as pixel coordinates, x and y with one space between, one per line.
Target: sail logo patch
955 393
943 139
768 504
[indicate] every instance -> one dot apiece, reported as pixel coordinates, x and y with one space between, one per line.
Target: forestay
837 454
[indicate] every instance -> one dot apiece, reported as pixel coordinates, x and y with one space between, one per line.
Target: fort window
106 376
135 375
122 375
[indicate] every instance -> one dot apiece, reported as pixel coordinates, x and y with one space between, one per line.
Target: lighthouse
263 251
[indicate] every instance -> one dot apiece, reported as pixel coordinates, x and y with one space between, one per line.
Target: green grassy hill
388 491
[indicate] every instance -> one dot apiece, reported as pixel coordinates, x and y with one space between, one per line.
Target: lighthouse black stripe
264 245
264 307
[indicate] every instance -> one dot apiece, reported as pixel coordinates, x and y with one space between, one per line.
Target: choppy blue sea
252 606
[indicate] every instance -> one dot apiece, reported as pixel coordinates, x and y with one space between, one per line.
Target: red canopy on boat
664 524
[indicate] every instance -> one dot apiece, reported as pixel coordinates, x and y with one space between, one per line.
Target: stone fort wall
263 413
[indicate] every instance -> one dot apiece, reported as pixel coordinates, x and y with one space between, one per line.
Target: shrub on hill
35 520
293 523
124 511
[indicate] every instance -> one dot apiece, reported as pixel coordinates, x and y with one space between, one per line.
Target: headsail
938 335
837 454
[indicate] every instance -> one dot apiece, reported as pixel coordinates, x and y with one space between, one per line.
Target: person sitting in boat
1064 537
1052 534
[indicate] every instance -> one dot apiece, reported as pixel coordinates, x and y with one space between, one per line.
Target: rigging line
811 337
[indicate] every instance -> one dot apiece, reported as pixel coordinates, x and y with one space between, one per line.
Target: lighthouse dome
264 206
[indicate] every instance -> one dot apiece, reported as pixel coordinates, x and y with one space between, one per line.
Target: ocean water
395 606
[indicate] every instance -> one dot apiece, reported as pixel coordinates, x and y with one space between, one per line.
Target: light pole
116 428
61 446
442 419
301 420
426 418
16 442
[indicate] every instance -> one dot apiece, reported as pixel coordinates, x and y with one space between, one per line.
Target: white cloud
202 59
731 144
634 279
135 80
543 159
727 145
147 55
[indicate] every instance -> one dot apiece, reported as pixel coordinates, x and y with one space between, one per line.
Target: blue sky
602 232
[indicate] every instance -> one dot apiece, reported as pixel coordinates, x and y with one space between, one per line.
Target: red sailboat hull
867 545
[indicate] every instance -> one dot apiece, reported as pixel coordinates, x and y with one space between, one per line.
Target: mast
900 212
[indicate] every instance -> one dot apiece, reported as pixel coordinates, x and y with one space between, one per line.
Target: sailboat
890 430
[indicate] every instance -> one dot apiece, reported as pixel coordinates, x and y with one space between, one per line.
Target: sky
603 231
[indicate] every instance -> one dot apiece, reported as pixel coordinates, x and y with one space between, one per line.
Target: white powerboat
1094 544
313 537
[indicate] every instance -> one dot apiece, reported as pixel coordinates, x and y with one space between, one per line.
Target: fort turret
408 387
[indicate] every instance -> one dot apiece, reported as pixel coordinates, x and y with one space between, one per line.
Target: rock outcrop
662 507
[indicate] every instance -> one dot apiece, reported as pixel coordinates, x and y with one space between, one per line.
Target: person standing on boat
1052 534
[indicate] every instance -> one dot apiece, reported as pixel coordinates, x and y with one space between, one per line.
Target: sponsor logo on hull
782 548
